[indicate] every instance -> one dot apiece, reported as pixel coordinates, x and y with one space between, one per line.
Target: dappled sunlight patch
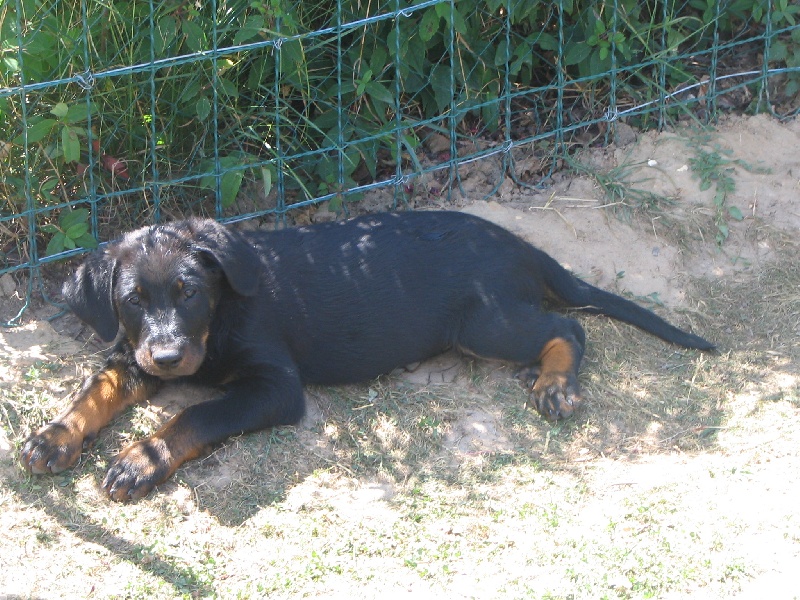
331 430
348 498
32 342
475 433
392 439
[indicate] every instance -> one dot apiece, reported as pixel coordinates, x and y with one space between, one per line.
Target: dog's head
162 284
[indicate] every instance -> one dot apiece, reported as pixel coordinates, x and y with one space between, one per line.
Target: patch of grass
624 189
713 167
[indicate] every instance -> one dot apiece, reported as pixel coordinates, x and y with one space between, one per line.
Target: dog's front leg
120 383
274 397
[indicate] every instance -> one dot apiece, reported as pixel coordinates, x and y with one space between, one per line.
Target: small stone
624 134
7 285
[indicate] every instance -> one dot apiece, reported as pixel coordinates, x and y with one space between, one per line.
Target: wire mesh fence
122 113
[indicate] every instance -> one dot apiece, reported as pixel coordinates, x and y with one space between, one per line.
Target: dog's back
355 299
358 298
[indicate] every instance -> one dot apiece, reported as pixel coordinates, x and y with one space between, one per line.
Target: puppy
260 314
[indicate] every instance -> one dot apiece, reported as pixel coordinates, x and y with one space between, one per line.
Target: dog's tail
575 293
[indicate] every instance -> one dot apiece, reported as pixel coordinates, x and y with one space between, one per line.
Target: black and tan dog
262 313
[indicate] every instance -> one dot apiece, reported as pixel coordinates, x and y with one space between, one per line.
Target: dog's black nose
167 358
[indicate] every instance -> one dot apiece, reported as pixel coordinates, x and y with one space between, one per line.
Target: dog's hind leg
548 347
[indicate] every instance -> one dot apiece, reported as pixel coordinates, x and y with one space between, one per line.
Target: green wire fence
123 113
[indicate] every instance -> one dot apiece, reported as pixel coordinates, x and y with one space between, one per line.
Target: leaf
735 213
266 175
778 51
78 113
440 82
429 25
391 44
86 241
292 57
547 41
164 35
208 182
70 144
362 84
577 53
599 27
445 11
378 59
335 204
60 110
377 91
502 55
195 38
190 91
351 160
73 217
230 180
251 28
459 24
202 108
229 187
11 64
55 245
37 131
48 185
77 230
229 87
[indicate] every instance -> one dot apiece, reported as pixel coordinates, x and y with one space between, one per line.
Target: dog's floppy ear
90 294
231 252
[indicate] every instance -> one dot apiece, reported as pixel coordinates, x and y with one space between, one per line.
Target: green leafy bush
274 92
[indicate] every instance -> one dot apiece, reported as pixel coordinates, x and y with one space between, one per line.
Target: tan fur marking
182 442
99 402
557 356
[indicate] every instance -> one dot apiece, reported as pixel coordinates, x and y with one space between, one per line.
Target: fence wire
122 113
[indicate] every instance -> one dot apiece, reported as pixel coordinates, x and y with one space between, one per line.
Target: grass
624 188
675 480
645 190
714 167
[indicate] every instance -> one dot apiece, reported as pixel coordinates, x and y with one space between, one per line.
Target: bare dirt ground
678 479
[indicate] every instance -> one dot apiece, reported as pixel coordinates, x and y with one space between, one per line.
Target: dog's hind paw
555 395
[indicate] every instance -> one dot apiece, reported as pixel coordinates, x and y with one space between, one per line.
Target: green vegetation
713 169
129 109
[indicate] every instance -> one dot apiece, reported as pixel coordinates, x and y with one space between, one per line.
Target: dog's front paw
138 469
53 448
555 395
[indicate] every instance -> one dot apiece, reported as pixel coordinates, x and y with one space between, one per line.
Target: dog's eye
134 299
189 292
